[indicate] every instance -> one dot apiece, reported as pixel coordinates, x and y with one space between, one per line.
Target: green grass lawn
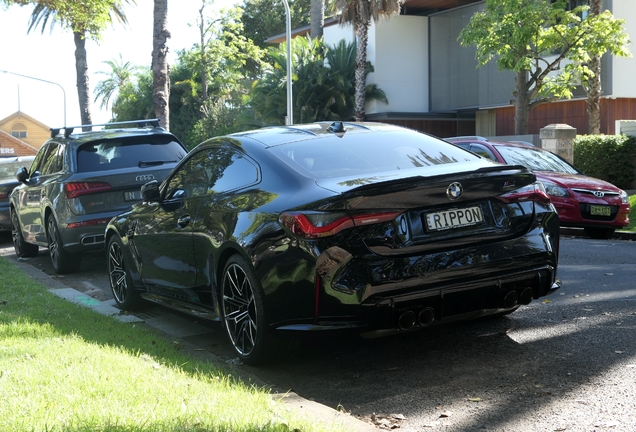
64 367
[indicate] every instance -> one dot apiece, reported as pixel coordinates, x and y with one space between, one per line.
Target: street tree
547 45
229 62
592 82
361 13
134 98
119 74
85 19
159 66
265 18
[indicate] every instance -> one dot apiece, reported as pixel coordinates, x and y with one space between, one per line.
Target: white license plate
600 210
456 218
132 196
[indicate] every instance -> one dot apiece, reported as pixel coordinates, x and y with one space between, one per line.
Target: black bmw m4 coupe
362 227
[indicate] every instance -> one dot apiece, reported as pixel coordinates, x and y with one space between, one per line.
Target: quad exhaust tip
514 298
409 319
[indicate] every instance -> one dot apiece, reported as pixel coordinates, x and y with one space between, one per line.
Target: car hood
576 181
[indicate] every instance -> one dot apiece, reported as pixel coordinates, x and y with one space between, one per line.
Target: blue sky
50 57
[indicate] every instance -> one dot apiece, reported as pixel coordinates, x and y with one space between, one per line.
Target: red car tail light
319 225
532 192
92 222
76 189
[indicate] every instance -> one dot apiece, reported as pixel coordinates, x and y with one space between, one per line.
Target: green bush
608 157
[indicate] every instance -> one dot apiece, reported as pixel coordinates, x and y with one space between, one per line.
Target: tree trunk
362 33
317 18
81 69
204 74
160 79
522 103
594 84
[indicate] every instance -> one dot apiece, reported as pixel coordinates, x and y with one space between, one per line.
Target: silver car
79 181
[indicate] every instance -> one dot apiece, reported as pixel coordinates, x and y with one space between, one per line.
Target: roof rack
68 130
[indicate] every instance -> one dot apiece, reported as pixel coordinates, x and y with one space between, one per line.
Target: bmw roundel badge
454 190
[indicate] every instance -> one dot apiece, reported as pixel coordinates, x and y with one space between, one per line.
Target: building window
19 130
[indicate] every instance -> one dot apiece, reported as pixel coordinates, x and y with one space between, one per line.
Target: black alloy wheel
243 313
126 297
63 261
22 248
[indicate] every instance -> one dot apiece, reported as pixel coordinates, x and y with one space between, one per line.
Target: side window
230 170
483 151
53 160
40 157
209 171
191 179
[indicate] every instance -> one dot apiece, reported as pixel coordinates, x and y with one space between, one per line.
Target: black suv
79 181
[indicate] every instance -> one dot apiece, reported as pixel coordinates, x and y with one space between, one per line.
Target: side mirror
150 191
22 175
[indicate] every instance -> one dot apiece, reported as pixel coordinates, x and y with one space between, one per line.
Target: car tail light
76 189
92 222
532 192
3 195
319 225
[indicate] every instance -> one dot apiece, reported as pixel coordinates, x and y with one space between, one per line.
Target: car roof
277 135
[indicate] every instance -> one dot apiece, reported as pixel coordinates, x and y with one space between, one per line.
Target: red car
582 201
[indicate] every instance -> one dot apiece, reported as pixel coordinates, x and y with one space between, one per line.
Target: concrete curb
177 327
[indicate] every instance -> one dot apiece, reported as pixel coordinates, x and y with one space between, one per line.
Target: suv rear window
128 152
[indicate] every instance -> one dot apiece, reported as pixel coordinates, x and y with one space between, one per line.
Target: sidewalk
188 333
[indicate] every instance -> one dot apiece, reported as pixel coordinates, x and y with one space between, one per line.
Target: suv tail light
532 192
76 189
319 225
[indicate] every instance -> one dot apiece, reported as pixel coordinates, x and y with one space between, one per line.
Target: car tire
121 284
243 313
22 248
600 233
63 261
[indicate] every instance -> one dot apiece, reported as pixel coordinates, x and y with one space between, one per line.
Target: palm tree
323 77
360 13
77 21
120 74
160 78
317 18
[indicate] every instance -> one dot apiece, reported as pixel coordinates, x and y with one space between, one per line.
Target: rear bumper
441 305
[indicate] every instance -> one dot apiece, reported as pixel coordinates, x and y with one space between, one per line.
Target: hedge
608 157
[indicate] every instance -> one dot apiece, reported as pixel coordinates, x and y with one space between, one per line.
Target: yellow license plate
600 210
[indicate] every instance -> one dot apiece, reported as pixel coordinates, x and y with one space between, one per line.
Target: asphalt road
564 363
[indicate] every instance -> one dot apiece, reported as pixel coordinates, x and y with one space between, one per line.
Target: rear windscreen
128 152
535 159
369 153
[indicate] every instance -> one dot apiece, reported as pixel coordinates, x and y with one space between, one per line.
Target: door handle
183 221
